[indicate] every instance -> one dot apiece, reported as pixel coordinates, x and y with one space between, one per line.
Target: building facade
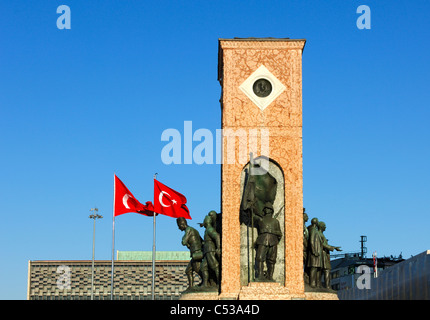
71 279
345 271
397 279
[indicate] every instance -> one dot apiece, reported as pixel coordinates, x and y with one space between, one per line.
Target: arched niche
248 233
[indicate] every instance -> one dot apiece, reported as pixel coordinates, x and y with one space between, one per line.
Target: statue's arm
185 238
215 237
325 244
329 247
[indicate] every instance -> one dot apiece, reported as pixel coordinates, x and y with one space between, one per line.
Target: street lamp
94 216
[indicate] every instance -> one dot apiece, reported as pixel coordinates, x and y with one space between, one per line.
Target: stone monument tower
261 102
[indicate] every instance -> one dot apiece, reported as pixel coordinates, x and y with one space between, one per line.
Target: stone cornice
262 43
256 44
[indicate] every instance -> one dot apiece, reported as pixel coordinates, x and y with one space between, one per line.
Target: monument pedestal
199 296
264 291
275 291
321 296
260 291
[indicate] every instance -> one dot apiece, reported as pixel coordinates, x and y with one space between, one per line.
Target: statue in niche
259 189
211 251
193 242
269 235
256 211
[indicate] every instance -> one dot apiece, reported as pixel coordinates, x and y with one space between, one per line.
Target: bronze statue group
256 211
205 253
316 254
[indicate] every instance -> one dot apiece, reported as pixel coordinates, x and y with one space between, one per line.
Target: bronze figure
259 189
314 260
193 242
269 235
317 256
305 247
211 252
326 266
256 211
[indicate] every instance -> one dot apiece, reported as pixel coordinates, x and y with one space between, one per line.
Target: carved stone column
261 104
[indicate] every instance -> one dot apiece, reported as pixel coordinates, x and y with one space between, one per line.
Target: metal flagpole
113 256
94 217
92 264
153 252
113 241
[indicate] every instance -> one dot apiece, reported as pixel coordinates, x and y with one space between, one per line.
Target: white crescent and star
160 198
124 200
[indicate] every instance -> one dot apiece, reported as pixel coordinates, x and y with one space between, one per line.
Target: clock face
262 87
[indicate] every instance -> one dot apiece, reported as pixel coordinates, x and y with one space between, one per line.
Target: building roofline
103 261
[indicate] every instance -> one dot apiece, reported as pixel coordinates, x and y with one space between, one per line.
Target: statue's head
321 226
268 208
314 222
207 221
305 216
182 223
212 214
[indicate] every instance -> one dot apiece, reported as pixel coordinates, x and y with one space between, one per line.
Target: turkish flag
124 201
148 209
169 202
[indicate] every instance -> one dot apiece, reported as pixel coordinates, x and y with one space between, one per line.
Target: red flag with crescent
124 201
169 202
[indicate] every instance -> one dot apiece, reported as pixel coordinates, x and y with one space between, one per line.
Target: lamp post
93 216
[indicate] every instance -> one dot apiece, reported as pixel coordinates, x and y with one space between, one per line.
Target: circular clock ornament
262 88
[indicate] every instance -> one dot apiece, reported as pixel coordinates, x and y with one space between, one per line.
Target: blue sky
78 105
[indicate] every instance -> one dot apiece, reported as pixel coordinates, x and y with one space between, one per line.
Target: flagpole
113 242
153 252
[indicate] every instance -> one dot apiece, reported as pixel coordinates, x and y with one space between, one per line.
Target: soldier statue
256 211
211 252
259 189
269 235
192 241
